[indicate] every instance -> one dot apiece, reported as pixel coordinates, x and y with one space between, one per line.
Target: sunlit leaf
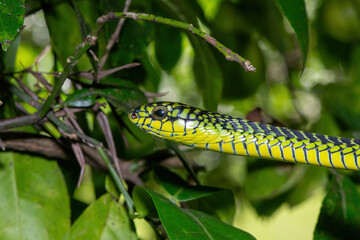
185 223
11 20
34 203
104 219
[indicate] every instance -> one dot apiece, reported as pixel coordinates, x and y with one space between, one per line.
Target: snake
203 129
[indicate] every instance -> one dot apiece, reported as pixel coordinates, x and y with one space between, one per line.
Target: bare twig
228 53
105 127
114 37
50 148
72 118
19 121
81 160
94 55
2 145
71 62
105 73
41 79
150 96
26 89
41 55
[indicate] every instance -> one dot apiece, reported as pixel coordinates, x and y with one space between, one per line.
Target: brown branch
50 148
105 127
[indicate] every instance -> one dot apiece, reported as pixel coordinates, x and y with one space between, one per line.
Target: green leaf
186 223
213 201
220 205
34 203
81 98
104 219
11 20
295 13
270 182
117 82
208 74
167 46
178 188
123 98
65 37
340 212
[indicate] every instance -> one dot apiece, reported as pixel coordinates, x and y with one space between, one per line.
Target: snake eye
133 115
160 112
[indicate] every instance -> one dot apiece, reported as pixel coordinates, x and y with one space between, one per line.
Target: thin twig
71 62
2 145
228 53
41 55
72 118
105 73
114 38
105 127
40 78
26 89
80 159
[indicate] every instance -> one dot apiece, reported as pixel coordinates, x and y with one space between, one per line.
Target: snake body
213 131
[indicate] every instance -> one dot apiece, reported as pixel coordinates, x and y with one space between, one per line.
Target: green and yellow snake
208 130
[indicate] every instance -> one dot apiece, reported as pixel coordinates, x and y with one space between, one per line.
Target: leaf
62 42
216 202
220 205
34 203
123 98
185 223
81 98
104 219
11 20
208 74
270 182
167 46
178 188
295 13
340 212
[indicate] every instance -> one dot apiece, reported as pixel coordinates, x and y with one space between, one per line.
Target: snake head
166 119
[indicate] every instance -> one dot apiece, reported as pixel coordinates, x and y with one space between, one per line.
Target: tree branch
228 53
71 62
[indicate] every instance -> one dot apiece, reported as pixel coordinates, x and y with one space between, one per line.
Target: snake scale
213 131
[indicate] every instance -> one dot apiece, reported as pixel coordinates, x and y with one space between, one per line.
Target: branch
71 62
51 148
228 53
114 37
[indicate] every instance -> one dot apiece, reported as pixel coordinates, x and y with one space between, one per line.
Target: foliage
67 86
